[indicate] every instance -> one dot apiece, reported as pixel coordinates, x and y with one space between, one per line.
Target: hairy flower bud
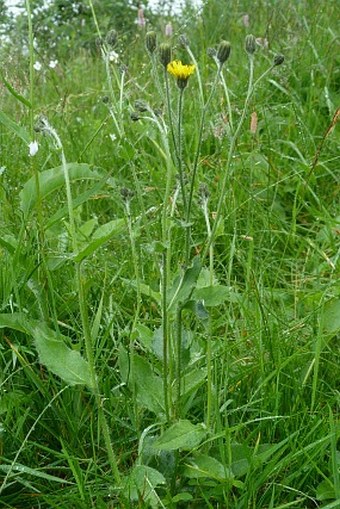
165 54
111 38
151 41
141 106
211 52
250 44
278 59
223 52
183 40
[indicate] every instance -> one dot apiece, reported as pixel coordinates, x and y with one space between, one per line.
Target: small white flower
113 136
37 66
2 170
113 57
33 147
53 64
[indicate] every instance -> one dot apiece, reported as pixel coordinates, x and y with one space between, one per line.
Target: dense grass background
257 422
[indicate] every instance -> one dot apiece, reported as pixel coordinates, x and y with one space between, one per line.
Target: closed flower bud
111 38
223 52
278 59
250 44
183 40
134 115
211 52
165 54
126 194
151 41
141 106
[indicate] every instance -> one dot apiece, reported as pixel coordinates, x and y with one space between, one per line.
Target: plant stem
195 166
84 312
171 125
180 148
179 361
234 138
165 332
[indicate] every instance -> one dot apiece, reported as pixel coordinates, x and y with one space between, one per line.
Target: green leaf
148 385
182 497
50 181
14 93
77 200
193 380
102 235
68 364
215 295
331 316
184 284
181 435
14 127
241 456
22 469
206 466
142 482
16 321
144 335
325 491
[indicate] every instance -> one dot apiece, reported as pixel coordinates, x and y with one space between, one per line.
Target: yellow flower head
181 72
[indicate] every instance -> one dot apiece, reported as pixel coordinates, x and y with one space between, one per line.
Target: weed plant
169 266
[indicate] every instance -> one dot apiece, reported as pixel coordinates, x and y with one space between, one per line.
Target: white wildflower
33 148
37 66
113 136
113 56
53 64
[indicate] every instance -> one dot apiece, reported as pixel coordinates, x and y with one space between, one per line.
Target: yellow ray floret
179 70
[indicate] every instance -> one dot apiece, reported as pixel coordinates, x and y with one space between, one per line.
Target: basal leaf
207 466
50 181
181 435
331 316
214 295
142 482
68 364
148 385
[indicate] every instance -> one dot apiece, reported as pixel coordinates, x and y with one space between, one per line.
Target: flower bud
141 106
250 44
134 115
184 41
211 52
223 52
111 38
165 54
126 194
151 41
278 59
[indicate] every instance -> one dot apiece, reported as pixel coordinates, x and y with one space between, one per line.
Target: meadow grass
169 276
